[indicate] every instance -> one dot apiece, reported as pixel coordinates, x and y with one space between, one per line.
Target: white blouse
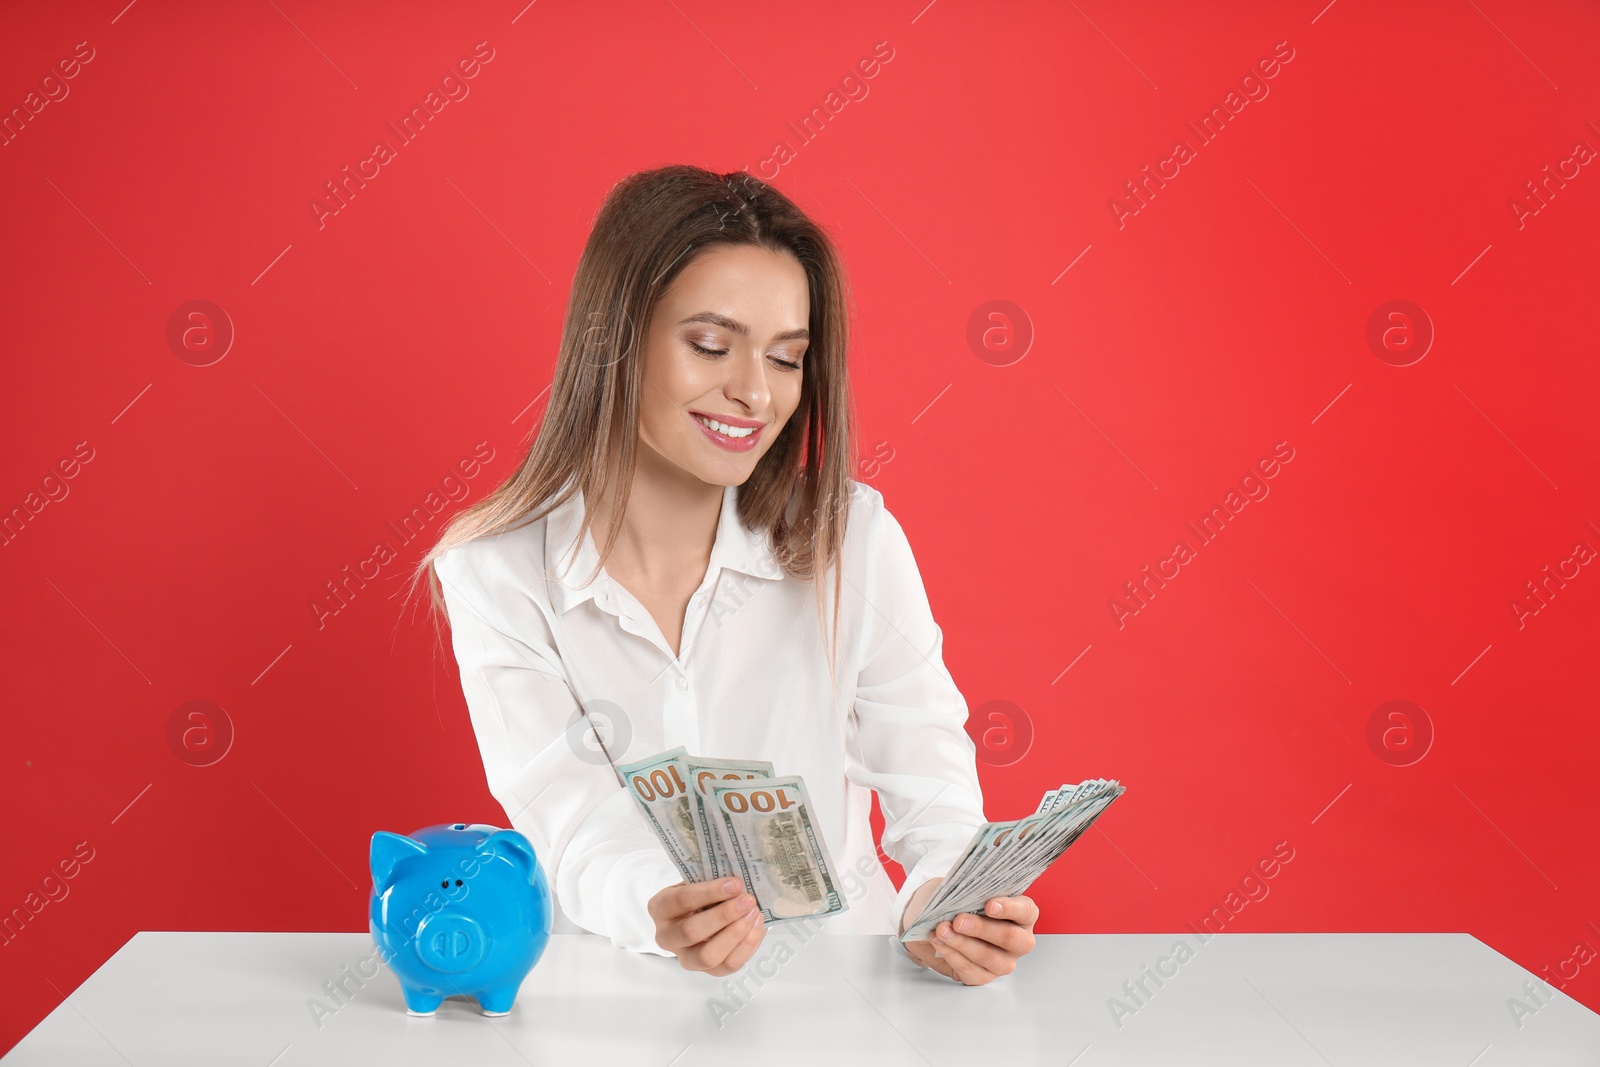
751 681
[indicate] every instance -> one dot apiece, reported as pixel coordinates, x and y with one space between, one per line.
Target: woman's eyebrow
740 328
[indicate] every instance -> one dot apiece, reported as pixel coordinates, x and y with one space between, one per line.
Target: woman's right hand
710 926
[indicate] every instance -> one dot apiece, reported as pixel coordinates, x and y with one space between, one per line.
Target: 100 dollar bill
776 848
702 773
657 785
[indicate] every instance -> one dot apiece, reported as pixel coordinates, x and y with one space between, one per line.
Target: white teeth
726 430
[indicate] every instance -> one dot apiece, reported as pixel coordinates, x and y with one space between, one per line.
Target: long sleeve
603 861
910 721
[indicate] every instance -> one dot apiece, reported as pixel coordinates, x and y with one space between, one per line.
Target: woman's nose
747 381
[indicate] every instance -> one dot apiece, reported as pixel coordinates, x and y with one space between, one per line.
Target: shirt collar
735 548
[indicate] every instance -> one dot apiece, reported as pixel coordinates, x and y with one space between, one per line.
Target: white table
1281 999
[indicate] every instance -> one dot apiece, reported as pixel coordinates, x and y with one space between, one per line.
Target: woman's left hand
980 948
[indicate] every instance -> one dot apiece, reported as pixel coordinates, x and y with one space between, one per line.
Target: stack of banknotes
1004 858
720 817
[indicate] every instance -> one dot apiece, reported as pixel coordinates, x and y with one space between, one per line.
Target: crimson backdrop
1057 372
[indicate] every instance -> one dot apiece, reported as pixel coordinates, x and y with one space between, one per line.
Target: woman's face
726 343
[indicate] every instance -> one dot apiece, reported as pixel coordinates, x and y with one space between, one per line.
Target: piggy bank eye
458 881
445 884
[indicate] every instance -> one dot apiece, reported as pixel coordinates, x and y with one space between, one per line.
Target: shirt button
683 683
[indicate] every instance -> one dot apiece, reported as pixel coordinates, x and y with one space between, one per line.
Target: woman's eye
704 351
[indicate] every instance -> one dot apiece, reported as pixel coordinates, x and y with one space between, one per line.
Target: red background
375 351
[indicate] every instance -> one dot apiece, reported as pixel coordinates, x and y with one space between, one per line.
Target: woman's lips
730 444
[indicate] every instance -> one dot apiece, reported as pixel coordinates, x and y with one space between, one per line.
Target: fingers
725 951
679 900
921 952
1007 936
975 951
659 904
940 966
949 962
1020 910
703 925
960 967
743 949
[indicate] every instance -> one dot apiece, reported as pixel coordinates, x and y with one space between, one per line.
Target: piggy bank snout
450 942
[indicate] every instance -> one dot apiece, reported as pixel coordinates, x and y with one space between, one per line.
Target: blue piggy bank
458 909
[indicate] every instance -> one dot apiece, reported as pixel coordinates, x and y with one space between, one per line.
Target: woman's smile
734 435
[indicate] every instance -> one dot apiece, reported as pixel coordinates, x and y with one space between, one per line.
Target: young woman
654 571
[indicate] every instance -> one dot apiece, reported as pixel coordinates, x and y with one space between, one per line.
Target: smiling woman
719 388
700 428
703 305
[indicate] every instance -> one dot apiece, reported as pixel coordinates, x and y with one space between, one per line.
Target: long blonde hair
651 225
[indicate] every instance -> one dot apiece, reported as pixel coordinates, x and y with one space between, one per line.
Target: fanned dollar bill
1011 855
702 772
1004 858
658 786
776 847
718 817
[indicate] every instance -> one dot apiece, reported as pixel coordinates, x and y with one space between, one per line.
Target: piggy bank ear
511 844
387 851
